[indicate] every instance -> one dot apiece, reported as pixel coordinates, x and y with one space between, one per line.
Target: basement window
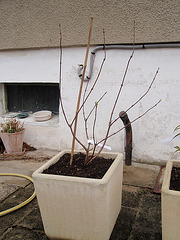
32 97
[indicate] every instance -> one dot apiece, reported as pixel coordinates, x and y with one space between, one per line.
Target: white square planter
79 208
170 206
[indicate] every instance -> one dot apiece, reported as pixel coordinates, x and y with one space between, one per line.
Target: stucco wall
151 134
35 23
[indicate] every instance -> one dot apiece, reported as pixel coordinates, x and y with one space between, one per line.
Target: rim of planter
38 173
5 133
167 177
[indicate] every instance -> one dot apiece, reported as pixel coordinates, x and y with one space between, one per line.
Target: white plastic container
42 116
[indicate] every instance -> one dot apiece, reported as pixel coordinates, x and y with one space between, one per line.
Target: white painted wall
149 132
29 66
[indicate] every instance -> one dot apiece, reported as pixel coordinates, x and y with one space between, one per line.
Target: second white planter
170 205
79 208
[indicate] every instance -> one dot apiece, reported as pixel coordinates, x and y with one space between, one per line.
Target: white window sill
54 121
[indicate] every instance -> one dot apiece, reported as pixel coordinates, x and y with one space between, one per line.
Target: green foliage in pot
11 125
177 147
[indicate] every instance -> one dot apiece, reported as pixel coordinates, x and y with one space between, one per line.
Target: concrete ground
140 216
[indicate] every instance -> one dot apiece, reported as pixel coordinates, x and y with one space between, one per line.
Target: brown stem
140 97
85 119
120 89
94 149
140 116
60 79
95 118
95 105
60 95
105 139
72 132
145 92
124 77
84 116
92 88
87 154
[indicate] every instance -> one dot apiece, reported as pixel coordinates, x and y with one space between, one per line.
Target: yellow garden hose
23 203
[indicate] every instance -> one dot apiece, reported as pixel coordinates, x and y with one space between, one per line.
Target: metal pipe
128 148
123 47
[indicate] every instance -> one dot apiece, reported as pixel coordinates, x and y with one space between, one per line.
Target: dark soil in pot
175 179
96 169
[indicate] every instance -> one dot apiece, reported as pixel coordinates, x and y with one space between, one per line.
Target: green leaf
176 135
177 148
177 128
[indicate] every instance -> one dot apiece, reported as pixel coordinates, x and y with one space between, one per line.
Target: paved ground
140 216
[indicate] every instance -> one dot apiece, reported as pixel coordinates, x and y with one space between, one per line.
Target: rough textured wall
34 23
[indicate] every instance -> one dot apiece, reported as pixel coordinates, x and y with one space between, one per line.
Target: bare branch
86 96
120 89
60 94
124 77
89 93
60 78
72 132
145 92
105 139
140 97
86 118
95 105
140 116
95 118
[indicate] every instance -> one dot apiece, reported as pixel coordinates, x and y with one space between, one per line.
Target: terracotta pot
13 142
170 205
79 208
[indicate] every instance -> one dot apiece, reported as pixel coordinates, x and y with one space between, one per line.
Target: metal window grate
32 97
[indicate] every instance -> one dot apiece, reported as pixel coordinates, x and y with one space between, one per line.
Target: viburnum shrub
91 146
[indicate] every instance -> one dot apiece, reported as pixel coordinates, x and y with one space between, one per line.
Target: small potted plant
12 131
170 194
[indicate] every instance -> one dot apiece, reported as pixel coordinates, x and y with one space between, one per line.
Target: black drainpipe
128 148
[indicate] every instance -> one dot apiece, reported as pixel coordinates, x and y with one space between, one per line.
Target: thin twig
60 94
124 77
92 88
95 105
60 78
140 116
118 94
105 139
140 97
86 118
84 115
94 124
144 93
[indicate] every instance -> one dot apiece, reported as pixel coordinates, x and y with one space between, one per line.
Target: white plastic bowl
42 116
